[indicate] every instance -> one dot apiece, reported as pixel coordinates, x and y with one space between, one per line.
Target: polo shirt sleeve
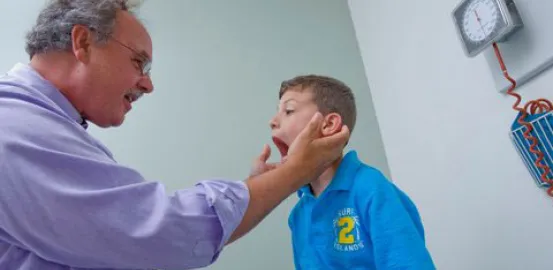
65 200
396 238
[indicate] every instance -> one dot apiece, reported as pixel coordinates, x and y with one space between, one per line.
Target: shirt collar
33 79
344 176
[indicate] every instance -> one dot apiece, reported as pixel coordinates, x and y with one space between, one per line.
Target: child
351 217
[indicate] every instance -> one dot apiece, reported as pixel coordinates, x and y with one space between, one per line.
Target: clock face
480 23
480 19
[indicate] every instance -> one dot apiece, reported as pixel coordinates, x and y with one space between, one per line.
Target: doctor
66 204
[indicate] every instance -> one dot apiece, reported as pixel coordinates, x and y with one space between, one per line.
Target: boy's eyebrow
288 100
285 102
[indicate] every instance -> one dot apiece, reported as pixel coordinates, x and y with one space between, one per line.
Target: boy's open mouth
282 147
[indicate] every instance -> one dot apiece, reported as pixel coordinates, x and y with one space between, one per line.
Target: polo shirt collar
344 177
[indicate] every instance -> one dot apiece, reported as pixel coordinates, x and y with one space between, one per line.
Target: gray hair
52 31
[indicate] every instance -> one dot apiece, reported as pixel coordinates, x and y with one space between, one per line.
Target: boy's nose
273 123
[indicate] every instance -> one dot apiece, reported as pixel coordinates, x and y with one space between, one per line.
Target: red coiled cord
532 107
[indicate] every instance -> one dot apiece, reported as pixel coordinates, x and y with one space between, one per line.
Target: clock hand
479 22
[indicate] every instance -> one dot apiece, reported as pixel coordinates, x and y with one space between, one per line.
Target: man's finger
266 153
313 127
338 139
271 166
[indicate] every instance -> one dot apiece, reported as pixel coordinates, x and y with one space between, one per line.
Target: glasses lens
147 67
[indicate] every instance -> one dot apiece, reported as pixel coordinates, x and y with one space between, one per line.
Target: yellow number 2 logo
346 226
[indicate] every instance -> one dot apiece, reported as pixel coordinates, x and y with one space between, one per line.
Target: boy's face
295 110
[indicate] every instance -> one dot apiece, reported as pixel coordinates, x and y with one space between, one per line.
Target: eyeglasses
145 62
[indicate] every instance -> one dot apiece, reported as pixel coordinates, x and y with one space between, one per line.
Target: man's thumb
265 154
312 129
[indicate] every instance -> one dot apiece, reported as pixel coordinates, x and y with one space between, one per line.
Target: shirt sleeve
64 199
396 237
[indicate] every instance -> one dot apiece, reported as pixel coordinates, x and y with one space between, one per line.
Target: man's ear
332 124
82 39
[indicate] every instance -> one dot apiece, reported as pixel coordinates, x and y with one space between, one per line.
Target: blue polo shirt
360 221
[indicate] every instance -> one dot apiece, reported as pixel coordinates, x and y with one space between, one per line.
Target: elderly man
66 204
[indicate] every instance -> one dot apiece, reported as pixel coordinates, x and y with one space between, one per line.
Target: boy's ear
332 124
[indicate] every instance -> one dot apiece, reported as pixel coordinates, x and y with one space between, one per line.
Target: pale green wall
209 58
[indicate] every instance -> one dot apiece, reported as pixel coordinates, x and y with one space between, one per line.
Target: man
66 204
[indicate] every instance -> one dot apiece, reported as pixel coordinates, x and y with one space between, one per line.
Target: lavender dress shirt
65 203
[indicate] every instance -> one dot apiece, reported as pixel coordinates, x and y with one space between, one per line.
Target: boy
351 217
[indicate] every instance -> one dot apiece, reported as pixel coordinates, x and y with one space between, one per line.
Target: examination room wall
446 134
217 70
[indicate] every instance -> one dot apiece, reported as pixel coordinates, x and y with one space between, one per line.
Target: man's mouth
282 147
133 95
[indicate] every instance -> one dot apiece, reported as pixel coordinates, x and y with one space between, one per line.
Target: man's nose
145 84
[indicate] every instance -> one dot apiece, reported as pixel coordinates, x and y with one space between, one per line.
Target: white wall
210 57
445 132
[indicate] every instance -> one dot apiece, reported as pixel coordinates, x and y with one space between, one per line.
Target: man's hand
312 153
308 156
260 164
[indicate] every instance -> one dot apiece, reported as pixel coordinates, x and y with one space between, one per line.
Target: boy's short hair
329 94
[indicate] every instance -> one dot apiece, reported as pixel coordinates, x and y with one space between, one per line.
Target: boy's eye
288 112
